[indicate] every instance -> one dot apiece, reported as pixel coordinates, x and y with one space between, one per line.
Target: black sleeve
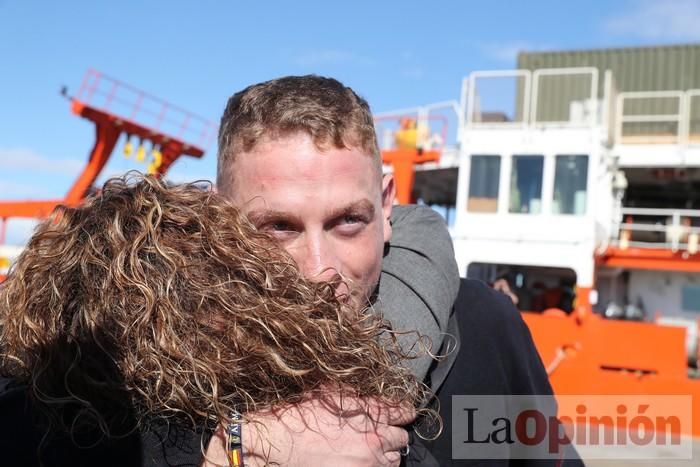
511 340
21 435
497 356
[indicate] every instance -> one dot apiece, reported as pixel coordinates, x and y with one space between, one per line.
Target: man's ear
388 196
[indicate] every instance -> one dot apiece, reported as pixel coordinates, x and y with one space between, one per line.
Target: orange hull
586 354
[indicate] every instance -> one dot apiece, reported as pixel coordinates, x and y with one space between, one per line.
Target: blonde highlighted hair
332 114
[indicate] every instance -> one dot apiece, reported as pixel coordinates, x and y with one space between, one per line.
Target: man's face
327 208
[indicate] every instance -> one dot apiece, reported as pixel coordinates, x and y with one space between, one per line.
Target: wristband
234 444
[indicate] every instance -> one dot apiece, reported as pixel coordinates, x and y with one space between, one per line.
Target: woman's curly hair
168 301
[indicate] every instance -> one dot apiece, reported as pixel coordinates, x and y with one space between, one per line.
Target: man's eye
350 225
280 230
349 219
276 226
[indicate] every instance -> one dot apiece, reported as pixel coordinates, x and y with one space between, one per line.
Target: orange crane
116 108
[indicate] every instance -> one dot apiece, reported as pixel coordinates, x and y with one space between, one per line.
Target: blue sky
195 54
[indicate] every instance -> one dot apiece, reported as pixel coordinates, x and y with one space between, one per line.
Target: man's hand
318 433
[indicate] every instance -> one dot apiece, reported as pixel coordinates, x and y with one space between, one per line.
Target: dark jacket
21 433
496 356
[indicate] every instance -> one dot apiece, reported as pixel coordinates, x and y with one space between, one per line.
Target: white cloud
508 51
26 160
322 57
677 20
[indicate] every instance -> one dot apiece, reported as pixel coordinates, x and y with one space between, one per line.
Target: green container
663 68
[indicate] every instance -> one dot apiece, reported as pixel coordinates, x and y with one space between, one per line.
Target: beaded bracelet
234 444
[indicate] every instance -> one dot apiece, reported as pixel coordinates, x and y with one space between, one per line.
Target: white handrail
689 96
653 118
462 115
660 212
679 117
613 112
471 94
564 72
680 229
607 111
656 227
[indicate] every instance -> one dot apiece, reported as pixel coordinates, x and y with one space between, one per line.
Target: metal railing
569 97
671 117
692 116
649 124
431 125
536 95
674 229
590 76
471 103
129 103
609 106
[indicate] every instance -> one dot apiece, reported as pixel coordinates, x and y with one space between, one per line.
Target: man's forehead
295 168
297 155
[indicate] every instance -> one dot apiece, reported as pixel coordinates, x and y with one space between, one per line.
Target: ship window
570 182
691 298
484 178
526 184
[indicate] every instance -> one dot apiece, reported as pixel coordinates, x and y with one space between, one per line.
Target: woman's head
166 300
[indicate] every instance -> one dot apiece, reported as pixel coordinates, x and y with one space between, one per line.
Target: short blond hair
332 114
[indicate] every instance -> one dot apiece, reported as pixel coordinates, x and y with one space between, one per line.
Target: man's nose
318 261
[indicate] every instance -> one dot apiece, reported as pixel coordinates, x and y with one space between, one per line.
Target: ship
572 184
